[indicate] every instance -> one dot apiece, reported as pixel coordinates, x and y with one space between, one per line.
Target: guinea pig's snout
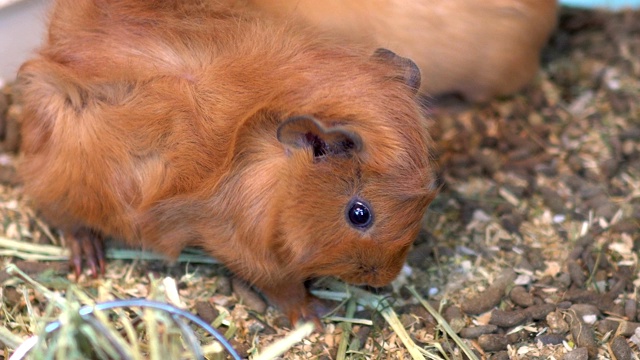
372 266
370 273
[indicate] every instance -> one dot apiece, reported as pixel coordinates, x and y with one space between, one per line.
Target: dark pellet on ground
606 325
546 280
281 321
517 337
493 342
242 348
582 296
575 253
519 154
502 355
524 264
258 326
590 191
520 296
511 223
551 339
420 254
407 320
507 318
454 316
616 310
564 305
606 210
583 310
491 297
223 285
576 273
609 167
563 281
488 159
535 258
631 309
12 296
628 328
575 182
589 259
547 169
553 200
421 314
473 332
363 334
582 334
476 352
628 225
620 349
206 311
577 354
539 312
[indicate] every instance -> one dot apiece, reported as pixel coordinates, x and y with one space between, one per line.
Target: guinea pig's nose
371 275
369 270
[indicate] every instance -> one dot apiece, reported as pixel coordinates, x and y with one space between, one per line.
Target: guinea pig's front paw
313 309
297 304
88 244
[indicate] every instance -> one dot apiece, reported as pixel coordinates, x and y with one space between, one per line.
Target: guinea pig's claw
298 317
76 258
87 244
295 301
313 310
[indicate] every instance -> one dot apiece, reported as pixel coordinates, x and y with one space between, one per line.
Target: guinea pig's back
130 102
108 115
90 156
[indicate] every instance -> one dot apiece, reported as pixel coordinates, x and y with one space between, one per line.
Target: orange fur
477 48
155 122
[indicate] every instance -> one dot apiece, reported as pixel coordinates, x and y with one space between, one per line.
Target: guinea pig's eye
359 214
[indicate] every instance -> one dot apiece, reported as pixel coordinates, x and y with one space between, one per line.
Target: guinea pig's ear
411 75
305 131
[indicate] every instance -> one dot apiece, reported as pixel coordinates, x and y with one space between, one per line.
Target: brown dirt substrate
532 246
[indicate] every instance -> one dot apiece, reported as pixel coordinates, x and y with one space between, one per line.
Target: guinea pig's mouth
369 275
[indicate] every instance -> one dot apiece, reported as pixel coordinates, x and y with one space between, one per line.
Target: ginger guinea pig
479 49
284 154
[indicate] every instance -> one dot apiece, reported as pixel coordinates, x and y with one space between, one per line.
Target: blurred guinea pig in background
475 48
